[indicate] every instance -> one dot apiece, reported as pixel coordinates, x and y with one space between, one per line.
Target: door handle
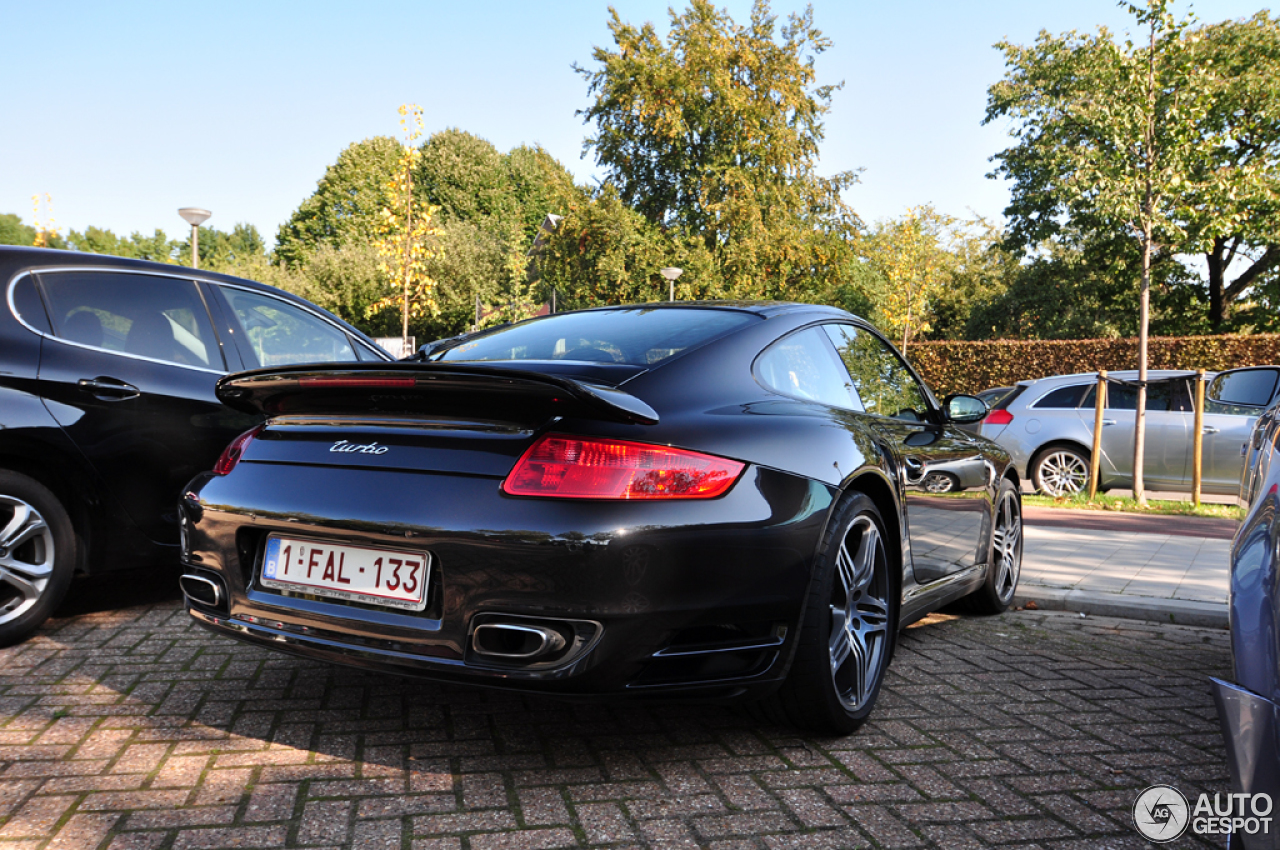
108 388
1106 422
1208 429
914 469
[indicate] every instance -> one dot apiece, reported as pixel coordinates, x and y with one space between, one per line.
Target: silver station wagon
1047 426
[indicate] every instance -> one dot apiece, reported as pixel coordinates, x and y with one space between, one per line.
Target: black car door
941 468
129 375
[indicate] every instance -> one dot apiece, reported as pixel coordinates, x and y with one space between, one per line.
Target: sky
123 112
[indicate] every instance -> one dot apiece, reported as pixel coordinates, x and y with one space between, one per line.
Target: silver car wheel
1062 472
939 482
26 557
1006 546
859 639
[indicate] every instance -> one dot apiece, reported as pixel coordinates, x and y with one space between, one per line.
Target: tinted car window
27 303
1254 387
160 318
639 337
1161 395
280 334
1063 397
802 365
879 379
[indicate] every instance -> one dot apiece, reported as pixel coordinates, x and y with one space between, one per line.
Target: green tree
466 177
714 135
1234 218
14 232
220 249
982 270
346 204
97 240
1214 122
1076 288
915 263
1108 134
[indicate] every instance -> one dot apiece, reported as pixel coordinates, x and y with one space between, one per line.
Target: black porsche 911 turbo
696 500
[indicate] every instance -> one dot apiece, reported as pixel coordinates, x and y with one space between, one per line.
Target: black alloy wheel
847 636
37 555
1005 564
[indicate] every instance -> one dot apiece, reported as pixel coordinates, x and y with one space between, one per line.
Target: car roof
1124 375
765 309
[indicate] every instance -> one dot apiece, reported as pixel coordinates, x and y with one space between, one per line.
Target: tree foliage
915 264
221 249
1111 135
346 204
1179 133
14 232
406 234
713 136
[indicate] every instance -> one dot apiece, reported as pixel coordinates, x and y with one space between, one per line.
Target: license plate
357 573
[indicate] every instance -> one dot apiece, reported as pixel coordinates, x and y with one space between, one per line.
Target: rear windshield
634 337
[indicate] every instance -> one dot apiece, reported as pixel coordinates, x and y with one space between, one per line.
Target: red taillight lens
232 453
587 468
999 416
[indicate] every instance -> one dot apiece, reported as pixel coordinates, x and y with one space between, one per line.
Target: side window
279 334
1063 397
801 366
1237 392
1161 396
878 375
27 303
160 318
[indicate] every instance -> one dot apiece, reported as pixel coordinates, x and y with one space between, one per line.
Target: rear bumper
697 598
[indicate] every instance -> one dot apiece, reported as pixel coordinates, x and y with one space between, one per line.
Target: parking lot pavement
130 729
1166 569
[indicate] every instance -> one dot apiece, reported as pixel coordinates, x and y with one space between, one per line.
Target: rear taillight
999 416
590 468
231 454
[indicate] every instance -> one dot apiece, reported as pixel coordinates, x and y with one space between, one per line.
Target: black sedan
718 500
107 407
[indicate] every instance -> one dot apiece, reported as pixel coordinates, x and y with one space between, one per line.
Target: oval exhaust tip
200 589
518 641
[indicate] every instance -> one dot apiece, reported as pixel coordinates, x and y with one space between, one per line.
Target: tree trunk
1217 274
1140 415
1144 301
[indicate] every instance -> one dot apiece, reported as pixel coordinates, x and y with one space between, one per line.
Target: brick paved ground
133 729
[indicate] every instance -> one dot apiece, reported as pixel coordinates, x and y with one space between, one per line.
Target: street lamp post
195 217
671 273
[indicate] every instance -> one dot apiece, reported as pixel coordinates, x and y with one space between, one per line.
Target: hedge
970 367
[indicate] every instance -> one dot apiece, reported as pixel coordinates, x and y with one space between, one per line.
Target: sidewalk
1163 569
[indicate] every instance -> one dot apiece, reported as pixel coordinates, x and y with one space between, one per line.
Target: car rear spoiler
434 389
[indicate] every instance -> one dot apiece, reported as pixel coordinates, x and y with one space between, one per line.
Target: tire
846 637
1005 564
940 482
38 551
1060 471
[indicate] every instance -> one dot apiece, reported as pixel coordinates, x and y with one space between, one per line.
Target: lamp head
194 216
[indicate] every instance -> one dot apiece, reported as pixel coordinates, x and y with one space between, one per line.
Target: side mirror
1250 387
964 409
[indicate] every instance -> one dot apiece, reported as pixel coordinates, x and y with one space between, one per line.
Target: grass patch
1102 502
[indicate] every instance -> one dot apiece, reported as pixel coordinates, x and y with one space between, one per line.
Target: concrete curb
1153 609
